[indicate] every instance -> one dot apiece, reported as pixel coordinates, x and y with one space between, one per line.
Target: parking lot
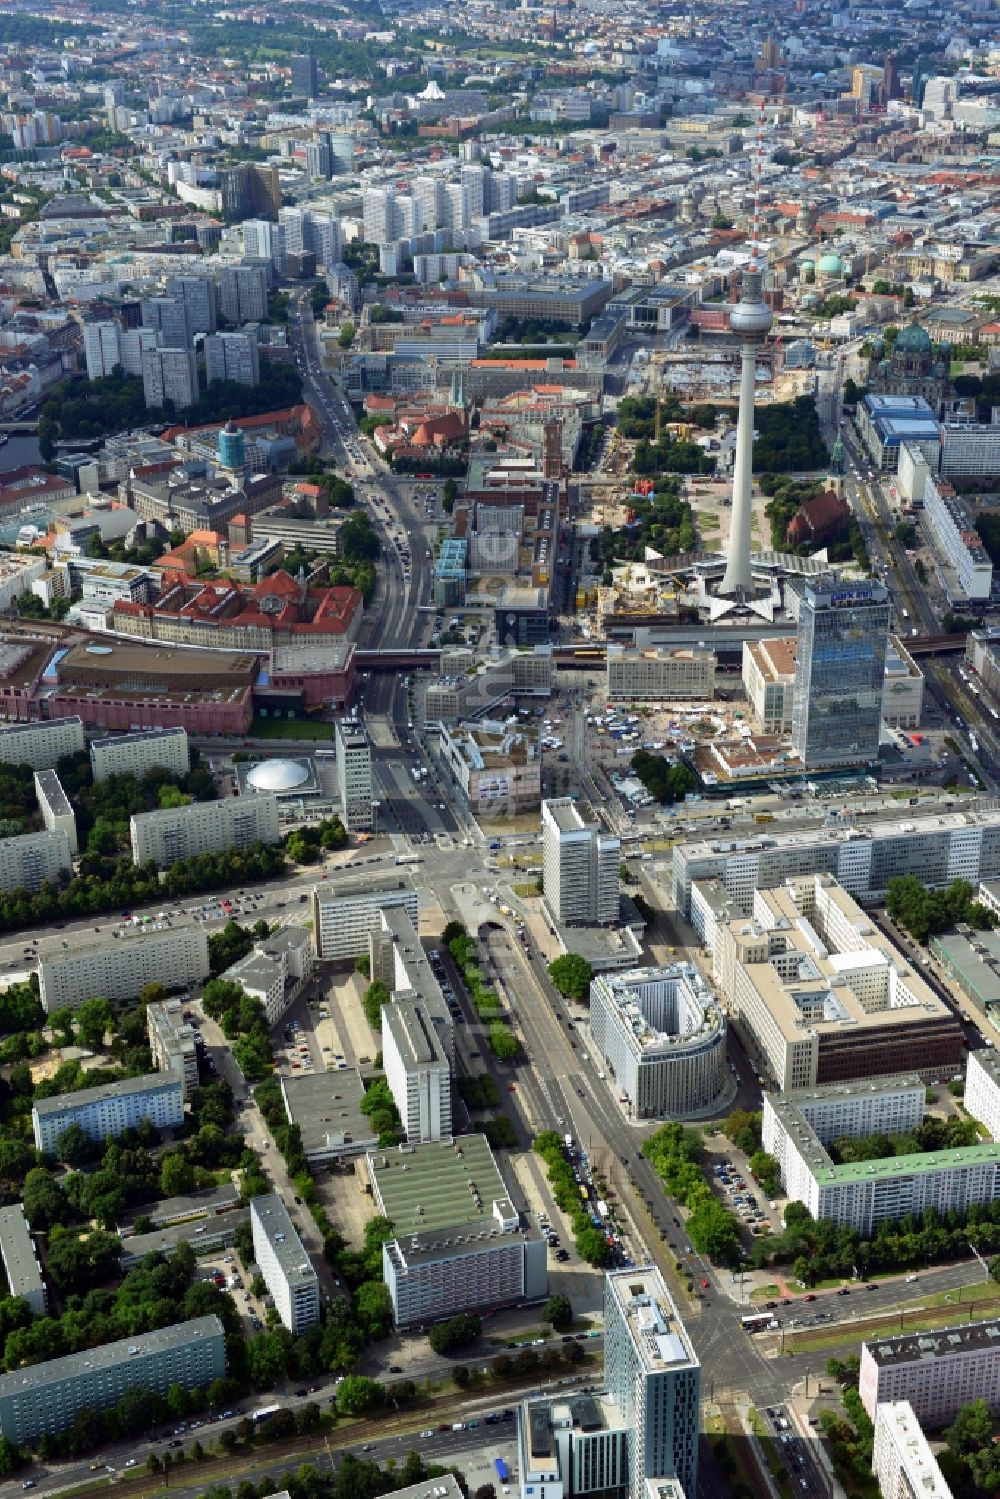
225 1270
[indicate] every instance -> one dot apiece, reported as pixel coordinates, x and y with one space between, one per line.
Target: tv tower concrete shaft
751 319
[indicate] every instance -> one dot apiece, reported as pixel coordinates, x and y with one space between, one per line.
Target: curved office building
662 1035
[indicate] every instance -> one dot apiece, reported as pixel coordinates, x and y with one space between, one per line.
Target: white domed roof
278 775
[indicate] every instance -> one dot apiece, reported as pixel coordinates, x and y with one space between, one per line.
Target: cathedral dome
831 264
913 340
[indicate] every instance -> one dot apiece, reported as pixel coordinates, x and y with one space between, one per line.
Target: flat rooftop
360 885
655 1328
151 1082
49 785
810 985
327 1109
437 1185
272 1215
203 1232
137 737
108 1355
222 668
914 825
19 1261
409 1023
944 1342
565 814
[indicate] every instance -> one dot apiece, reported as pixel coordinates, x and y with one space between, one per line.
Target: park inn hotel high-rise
843 635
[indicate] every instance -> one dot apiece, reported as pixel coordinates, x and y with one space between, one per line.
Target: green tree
558 1311
176 1175
357 1394
766 1170
457 1332
267 1358
346 336
503 1043
375 996
995 1268
571 975
591 1245
61 1024
373 1308
971 1430
94 1018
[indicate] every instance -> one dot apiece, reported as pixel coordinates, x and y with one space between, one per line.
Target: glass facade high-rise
839 672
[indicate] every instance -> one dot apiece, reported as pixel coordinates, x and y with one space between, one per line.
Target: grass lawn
525 890
765 1293
291 728
707 521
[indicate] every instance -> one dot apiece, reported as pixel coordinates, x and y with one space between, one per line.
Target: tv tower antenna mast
751 319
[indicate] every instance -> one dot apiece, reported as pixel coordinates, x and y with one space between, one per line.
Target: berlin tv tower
751 319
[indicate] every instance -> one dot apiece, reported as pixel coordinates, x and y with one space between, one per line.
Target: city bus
758 1322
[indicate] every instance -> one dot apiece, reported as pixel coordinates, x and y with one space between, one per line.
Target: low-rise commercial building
819 995
902 1461
345 911
284 1264
937 1372
660 673
49 1397
109 1110
174 833
135 754
417 1070
204 1236
275 970
172 1043
54 805
326 1106
662 1035
41 744
864 1194
982 1089
459 1244
498 769
572 1444
938 848
120 970
31 860
20 1261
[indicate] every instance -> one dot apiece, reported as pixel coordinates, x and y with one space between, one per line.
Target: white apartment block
345 911
20 1260
819 995
660 674
54 805
662 1035
41 744
284 1264
864 1194
134 754
962 562
417 1070
902 1461
109 1110
50 1397
982 1089
936 1372
651 1369
354 775
204 827
32 860
120 970
769 680
275 970
440 1272
171 1041
580 867
938 848
397 957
